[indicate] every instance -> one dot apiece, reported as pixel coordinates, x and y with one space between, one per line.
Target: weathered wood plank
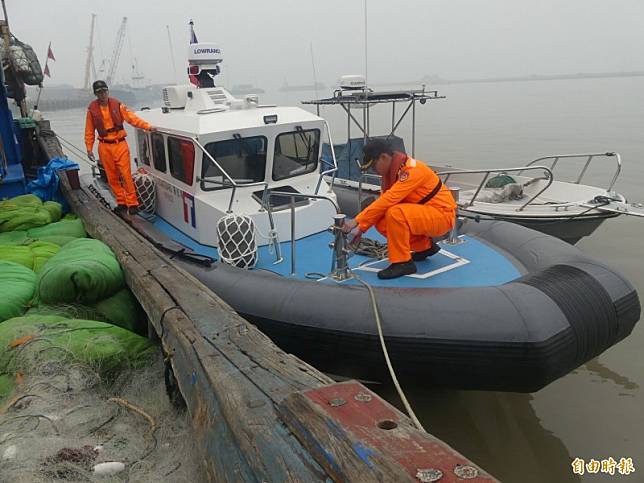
359 437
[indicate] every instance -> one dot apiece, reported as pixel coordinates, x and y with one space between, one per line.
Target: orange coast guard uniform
416 206
113 150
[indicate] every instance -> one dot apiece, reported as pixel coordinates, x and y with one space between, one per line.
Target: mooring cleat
396 270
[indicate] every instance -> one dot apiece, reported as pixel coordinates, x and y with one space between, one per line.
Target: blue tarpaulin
45 186
347 153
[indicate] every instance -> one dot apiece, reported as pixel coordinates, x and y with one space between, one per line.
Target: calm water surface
596 411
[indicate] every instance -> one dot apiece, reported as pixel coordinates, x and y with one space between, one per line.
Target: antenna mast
315 77
90 54
116 53
174 66
366 42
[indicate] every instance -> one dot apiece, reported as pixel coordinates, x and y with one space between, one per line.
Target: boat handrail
549 177
266 196
334 165
231 182
556 157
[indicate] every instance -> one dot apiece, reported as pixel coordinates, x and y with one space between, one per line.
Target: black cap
98 85
372 150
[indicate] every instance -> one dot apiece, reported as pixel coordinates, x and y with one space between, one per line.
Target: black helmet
99 85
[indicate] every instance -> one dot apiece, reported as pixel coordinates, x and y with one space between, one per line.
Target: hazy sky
268 41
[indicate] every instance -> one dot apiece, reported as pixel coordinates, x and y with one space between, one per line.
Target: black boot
133 210
396 270
120 209
420 256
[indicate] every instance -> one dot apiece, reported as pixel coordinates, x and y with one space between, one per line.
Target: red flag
46 72
50 54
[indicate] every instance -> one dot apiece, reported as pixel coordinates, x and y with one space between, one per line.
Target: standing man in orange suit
105 116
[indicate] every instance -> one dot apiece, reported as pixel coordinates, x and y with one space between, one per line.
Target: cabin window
158 152
143 146
181 155
296 153
243 159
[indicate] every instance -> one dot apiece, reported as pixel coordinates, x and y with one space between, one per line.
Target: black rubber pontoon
565 310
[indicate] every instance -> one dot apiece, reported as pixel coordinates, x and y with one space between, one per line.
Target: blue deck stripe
486 267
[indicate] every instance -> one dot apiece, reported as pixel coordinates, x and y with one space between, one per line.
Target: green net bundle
60 240
27 211
60 233
23 218
71 227
83 271
32 256
103 347
17 287
499 181
22 200
18 237
55 210
68 311
121 309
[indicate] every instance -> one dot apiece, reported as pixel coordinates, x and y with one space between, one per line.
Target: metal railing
334 165
590 156
266 197
549 177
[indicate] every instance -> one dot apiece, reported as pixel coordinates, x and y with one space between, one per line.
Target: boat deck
471 263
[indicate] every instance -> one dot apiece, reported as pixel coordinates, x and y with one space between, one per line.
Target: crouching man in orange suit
105 115
414 206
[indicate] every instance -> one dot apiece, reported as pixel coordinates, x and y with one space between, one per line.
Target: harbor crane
90 55
116 53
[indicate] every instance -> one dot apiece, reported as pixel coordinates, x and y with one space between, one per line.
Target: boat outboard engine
203 63
236 241
145 191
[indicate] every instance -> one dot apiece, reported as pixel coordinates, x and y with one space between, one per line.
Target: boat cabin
213 154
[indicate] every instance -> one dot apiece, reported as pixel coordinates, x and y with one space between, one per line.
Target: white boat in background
532 195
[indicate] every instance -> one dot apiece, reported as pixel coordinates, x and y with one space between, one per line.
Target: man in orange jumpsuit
105 115
414 206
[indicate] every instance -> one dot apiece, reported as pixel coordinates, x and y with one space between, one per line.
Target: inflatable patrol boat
241 184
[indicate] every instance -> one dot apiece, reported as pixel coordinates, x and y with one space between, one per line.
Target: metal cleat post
453 238
341 271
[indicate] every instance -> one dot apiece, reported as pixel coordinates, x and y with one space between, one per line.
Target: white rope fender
236 241
146 191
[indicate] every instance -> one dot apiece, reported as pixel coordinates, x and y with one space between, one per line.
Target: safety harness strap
432 193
